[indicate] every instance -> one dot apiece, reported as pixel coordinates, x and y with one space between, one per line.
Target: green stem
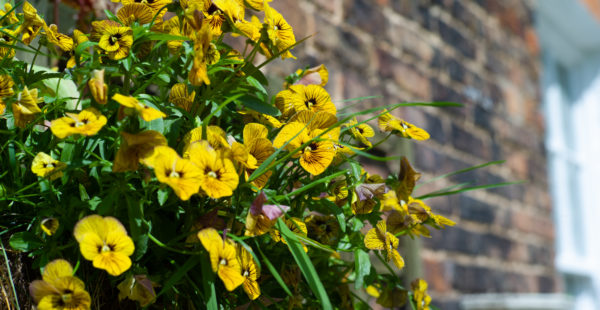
166 247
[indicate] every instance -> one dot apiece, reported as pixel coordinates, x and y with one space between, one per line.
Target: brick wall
483 54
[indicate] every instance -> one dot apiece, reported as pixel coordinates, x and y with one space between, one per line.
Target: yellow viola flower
174 27
264 119
137 288
250 272
311 97
323 228
203 56
363 197
49 225
361 131
218 177
6 90
378 238
137 148
316 156
180 96
339 193
87 123
135 12
234 9
420 296
317 75
280 32
104 241
389 202
223 258
7 37
388 122
155 5
98 88
262 217
59 289
148 113
421 212
115 40
45 166
62 41
296 225
258 149
180 174
26 108
407 179
217 139
9 19
392 297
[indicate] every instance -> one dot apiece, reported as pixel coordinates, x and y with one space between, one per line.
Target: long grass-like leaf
208 281
180 272
274 272
497 162
305 264
466 189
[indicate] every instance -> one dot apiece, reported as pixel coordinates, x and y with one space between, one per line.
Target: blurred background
528 75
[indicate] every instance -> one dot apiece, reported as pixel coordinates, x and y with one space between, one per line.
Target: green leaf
256 84
310 185
258 105
305 264
466 189
84 46
162 195
180 272
497 162
274 272
25 241
362 267
208 281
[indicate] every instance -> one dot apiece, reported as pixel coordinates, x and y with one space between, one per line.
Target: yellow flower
310 97
137 148
45 166
26 108
296 225
88 122
316 156
49 226
59 289
104 241
420 296
137 288
258 149
7 37
379 239
155 5
98 88
264 119
218 177
280 32
392 297
234 9
63 41
6 90
198 75
250 272
9 19
223 258
148 113
115 40
256 4
180 97
262 217
388 122
316 75
361 131
323 228
408 178
421 212
216 139
180 174
133 12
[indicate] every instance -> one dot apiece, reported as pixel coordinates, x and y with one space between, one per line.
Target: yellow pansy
421 212
59 289
296 225
114 39
6 90
261 217
137 148
7 37
148 113
223 258
104 241
204 54
26 108
216 138
98 88
379 239
180 174
87 123
280 32
49 226
250 272
388 122
9 19
314 157
45 166
310 97
137 288
218 177
259 148
135 12
62 41
180 96
155 5
420 296
361 131
407 179
264 119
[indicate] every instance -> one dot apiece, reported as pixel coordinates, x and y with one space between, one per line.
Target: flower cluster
157 154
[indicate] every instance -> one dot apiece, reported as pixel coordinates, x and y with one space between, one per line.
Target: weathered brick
475 210
466 141
453 37
366 16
